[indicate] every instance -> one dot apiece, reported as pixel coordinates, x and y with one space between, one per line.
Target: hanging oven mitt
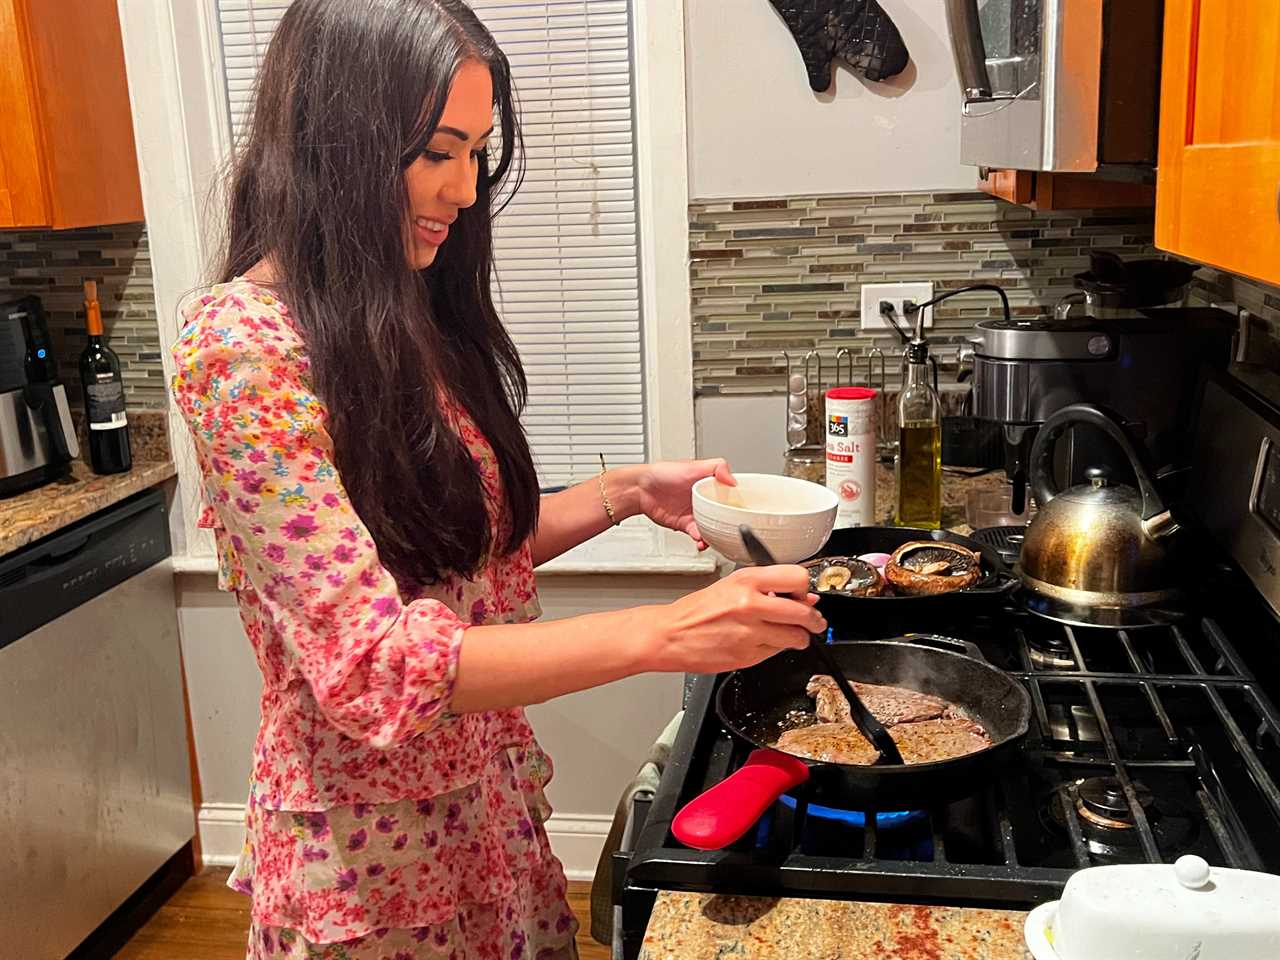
857 31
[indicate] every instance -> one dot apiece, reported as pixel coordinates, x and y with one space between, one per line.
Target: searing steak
829 742
931 740
920 742
889 705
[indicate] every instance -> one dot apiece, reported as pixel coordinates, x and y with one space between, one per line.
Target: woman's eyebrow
461 134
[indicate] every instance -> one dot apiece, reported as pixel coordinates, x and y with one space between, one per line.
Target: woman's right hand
739 621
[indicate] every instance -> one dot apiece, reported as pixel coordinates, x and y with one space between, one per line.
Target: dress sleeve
381 671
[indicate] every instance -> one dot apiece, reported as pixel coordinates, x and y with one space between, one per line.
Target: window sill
703 566
674 566
636 547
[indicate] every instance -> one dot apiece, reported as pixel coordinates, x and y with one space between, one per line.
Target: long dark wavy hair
348 96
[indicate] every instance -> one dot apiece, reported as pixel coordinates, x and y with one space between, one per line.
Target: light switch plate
897 294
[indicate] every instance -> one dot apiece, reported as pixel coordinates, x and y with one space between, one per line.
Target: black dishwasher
95 787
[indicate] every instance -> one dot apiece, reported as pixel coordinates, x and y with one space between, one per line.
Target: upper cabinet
1218 182
67 157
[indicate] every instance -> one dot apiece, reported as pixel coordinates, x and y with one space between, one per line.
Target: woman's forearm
575 515
519 664
733 623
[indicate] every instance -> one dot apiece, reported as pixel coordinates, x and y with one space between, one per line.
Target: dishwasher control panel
41 582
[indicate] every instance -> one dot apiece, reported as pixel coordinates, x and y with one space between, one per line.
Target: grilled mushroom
928 567
846 576
834 577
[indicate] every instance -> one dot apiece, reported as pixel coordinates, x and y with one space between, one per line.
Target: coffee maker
37 438
1121 341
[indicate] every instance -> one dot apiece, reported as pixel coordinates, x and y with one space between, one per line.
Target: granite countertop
696 925
28 516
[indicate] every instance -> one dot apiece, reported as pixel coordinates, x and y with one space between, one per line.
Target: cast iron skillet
839 610
754 704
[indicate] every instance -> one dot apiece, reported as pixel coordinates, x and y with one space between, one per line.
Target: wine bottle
103 394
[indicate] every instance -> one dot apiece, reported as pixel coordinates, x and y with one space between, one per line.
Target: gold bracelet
604 497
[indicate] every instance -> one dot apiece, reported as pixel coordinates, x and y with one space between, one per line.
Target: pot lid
1098 489
1187 909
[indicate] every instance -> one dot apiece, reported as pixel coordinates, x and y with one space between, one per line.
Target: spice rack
805 408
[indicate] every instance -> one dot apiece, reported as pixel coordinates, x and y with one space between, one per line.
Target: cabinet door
22 187
78 79
1218 188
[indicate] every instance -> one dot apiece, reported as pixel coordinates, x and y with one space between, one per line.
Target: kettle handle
1042 482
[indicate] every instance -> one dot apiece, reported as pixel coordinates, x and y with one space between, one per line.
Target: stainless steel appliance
1058 85
37 438
1237 496
1142 363
95 787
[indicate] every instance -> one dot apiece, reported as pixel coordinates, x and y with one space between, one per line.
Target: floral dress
380 825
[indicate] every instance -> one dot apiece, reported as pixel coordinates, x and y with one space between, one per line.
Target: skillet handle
947 643
728 810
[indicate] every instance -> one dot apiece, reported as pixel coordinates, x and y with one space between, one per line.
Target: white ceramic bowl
792 517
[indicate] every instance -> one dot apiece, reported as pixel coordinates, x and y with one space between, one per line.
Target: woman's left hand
666 492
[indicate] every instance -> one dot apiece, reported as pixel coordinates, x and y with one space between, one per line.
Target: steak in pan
889 705
921 742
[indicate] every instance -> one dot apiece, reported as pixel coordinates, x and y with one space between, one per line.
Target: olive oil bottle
918 468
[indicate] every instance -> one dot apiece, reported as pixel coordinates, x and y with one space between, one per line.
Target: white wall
756 129
720 421
597 739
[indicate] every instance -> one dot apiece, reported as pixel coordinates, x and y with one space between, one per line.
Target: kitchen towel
857 31
646 781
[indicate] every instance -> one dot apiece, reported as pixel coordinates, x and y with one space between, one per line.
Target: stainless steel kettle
1099 553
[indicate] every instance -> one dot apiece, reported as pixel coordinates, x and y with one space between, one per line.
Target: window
567 246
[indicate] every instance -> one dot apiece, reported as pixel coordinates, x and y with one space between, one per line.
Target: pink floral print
380 822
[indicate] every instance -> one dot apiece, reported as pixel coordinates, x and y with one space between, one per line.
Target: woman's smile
431 231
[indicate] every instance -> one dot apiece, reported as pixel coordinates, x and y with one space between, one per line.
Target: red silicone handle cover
724 813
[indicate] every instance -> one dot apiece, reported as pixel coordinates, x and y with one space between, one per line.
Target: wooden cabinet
67 157
1218 184
1063 191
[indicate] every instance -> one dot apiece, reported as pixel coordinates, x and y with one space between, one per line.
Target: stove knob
1192 872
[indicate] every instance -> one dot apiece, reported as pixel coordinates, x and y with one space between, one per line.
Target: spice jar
806 463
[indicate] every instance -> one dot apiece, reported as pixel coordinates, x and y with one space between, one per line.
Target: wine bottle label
106 405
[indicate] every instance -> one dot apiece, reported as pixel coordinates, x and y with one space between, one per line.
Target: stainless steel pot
1098 553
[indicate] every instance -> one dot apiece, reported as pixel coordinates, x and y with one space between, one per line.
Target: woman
354 403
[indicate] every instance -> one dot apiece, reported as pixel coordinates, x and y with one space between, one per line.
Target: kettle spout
1160 526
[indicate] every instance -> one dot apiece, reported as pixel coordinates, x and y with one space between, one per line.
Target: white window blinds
566 247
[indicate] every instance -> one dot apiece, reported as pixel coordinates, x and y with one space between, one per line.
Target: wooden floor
206 921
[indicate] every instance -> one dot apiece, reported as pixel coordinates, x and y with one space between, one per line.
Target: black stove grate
1145 745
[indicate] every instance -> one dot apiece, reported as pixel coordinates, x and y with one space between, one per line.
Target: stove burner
856 818
1050 650
1101 802
1108 822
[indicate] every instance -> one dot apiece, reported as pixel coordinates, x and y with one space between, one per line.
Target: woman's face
442 180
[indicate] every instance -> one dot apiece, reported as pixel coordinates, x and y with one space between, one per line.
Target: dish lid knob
1192 872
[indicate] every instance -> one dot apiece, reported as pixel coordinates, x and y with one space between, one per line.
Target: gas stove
1145 746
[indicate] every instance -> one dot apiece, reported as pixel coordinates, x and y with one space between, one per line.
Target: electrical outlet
897 294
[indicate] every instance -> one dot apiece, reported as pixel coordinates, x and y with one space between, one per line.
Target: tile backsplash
785 274
53 265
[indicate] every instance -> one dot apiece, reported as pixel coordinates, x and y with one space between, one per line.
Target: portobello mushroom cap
927 567
845 576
